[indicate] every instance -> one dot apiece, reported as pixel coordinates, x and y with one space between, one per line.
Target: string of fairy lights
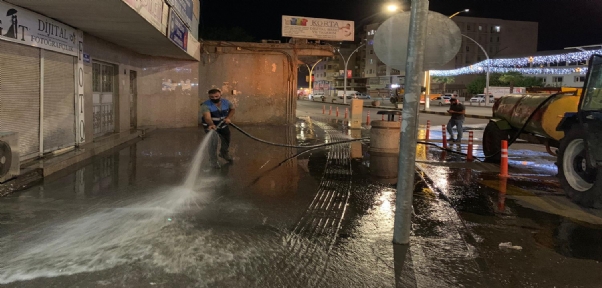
526 65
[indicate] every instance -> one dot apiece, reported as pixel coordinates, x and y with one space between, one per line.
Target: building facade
329 74
380 77
497 36
73 72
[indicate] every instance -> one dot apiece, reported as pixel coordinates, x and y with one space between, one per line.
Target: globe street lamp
346 61
392 8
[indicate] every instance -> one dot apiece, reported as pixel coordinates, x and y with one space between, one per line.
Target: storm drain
308 246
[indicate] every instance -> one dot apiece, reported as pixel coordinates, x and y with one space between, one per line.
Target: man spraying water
217 112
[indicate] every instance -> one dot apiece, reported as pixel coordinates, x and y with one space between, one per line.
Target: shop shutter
59 101
20 95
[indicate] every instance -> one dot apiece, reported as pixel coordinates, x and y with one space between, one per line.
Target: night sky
562 23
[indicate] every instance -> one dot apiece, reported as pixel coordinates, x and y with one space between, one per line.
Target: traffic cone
368 118
469 156
444 137
504 160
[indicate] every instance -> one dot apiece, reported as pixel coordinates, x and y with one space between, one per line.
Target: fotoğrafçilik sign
317 28
22 26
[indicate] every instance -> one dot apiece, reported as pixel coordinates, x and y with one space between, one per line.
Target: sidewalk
33 171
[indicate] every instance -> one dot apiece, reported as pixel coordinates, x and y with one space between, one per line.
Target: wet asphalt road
322 219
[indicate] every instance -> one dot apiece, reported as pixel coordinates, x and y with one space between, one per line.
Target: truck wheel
581 183
492 142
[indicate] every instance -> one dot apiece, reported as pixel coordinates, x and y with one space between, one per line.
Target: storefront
39 63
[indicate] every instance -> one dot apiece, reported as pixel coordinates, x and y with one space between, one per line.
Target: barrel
384 137
516 109
384 167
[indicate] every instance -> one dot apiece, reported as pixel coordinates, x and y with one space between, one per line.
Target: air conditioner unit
9 156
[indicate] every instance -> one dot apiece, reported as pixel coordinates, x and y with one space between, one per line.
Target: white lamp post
346 61
488 65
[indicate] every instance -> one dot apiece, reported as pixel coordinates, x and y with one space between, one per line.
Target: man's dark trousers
224 135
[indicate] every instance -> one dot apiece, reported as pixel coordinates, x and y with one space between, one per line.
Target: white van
350 94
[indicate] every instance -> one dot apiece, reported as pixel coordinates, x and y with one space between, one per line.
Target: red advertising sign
349 73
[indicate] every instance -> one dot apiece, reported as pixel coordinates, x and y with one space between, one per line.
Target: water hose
296 146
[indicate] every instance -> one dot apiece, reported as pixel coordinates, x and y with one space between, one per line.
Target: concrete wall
259 83
156 105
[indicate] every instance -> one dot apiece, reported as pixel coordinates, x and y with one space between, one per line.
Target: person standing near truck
457 111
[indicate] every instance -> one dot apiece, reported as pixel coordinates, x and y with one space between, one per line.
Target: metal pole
345 81
407 149
487 83
427 98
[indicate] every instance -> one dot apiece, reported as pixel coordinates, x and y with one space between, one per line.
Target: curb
421 111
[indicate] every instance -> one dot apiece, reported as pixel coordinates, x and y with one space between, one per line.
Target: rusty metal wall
260 83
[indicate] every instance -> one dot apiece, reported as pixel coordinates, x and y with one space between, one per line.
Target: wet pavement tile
289 217
526 231
276 217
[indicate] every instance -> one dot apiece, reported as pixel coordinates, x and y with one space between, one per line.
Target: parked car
363 96
480 98
441 100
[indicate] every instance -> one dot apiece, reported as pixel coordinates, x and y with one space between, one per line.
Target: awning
114 21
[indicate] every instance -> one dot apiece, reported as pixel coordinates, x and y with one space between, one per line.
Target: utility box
355 119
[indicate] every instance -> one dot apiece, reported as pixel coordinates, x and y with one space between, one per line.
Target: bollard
504 161
330 111
428 130
346 112
469 152
337 111
323 109
444 137
368 118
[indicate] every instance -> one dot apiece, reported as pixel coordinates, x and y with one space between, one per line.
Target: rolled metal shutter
20 95
59 101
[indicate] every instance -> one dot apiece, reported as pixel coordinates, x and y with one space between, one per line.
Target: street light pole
346 61
311 71
408 132
488 66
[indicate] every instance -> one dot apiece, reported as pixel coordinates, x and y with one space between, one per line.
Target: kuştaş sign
28 28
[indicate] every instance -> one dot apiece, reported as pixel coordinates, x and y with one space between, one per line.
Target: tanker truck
569 124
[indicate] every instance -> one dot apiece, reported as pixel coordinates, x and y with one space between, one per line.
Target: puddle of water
143 229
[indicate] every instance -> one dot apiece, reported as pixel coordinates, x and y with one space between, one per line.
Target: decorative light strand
525 71
522 64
